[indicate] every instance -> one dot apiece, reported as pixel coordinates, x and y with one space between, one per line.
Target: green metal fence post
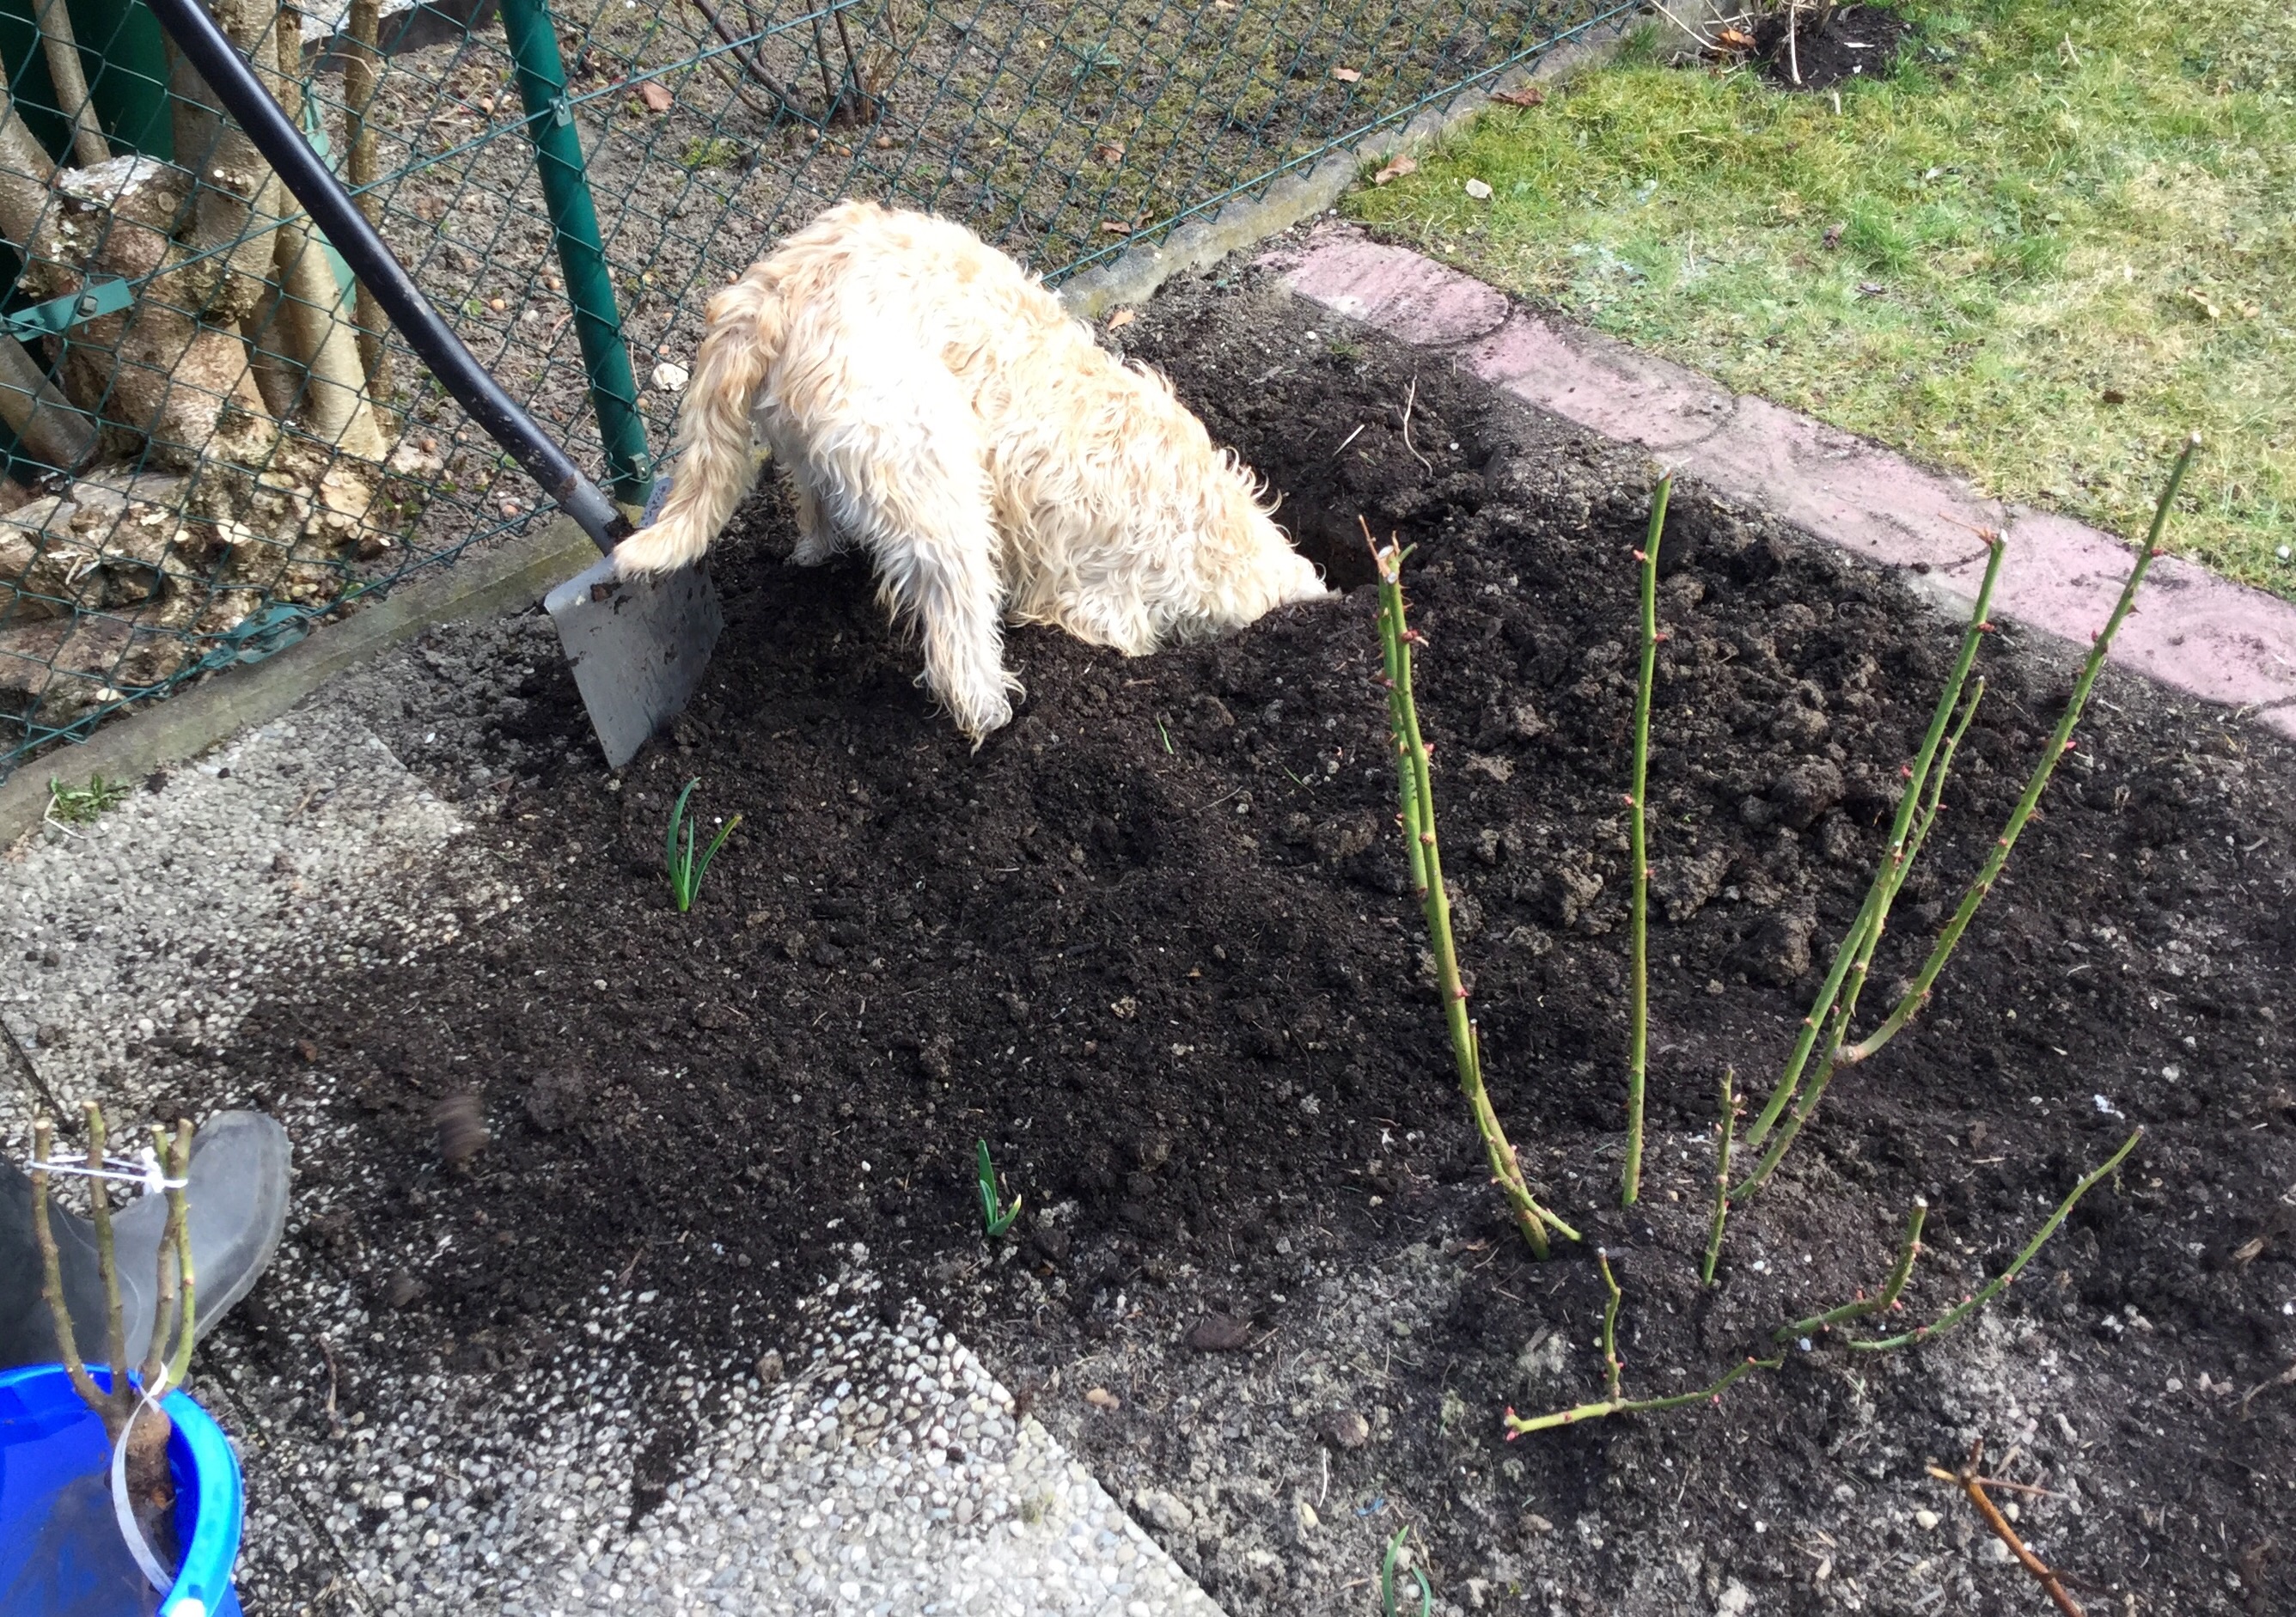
581 254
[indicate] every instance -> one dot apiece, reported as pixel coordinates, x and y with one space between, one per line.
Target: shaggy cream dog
934 404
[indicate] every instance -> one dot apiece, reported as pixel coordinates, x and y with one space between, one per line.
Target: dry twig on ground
1968 1479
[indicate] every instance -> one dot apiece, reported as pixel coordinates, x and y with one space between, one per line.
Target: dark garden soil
1831 44
1152 943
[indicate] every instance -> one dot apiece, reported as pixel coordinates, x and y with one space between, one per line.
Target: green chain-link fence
212 444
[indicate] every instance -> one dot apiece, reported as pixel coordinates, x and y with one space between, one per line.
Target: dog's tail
716 464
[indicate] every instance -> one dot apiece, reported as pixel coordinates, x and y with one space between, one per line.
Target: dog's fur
934 404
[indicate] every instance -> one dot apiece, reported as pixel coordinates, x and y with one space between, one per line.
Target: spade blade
638 647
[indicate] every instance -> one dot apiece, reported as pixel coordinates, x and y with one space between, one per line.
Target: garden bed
1152 944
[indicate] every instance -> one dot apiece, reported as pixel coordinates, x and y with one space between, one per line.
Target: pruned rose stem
2059 743
1613 1368
1638 857
52 1281
2001 1281
1517 1426
1880 1303
1973 1485
179 1225
1845 953
1418 805
1845 1008
107 1262
1728 1126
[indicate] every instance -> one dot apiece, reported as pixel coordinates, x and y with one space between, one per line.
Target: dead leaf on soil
1115 228
1101 1398
1112 151
1121 317
1522 95
1219 1334
1346 75
1394 171
656 96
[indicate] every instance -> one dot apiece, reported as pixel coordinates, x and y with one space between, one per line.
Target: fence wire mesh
214 443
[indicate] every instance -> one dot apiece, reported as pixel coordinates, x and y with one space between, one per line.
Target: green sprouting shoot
996 1216
1387 1577
686 868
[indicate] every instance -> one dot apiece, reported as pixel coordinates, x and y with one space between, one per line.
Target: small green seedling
82 805
995 1217
1387 1577
685 869
715 153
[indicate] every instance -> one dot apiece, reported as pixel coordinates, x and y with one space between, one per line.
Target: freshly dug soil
1830 45
1152 944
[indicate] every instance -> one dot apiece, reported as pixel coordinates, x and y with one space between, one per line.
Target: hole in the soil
1328 537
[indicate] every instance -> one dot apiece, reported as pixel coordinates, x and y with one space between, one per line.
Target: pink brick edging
2192 630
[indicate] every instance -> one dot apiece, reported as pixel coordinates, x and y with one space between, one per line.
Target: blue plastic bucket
47 1437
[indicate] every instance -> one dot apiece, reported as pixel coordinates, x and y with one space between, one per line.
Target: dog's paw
650 552
814 548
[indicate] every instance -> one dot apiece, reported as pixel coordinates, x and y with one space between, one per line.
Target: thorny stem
1967 1479
2059 743
1721 1176
1516 1425
51 1278
1880 1304
1638 858
1845 1007
1419 830
1846 953
2001 1281
1613 1367
1406 786
99 1193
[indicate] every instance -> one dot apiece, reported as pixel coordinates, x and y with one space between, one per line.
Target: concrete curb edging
1300 196
2195 632
181 727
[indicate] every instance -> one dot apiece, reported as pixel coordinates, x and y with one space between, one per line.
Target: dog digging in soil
935 404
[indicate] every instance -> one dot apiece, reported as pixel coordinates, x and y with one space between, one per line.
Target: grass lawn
2054 239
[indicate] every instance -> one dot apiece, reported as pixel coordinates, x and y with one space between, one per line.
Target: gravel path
866 1463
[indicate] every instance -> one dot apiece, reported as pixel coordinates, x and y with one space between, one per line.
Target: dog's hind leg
817 539
905 476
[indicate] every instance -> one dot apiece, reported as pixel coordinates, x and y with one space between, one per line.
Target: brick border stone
2193 631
